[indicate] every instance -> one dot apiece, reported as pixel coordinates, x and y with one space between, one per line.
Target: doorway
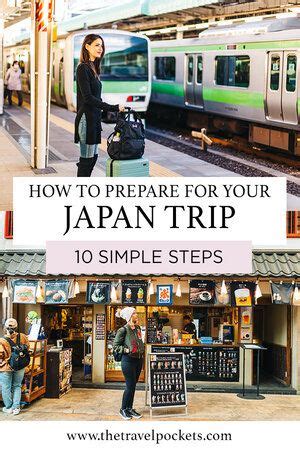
194 79
282 87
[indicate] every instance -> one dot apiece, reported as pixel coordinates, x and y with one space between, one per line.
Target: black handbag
127 141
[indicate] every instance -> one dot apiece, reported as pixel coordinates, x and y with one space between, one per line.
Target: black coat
89 102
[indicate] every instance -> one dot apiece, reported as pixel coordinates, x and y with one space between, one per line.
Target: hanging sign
282 293
222 292
134 292
242 293
56 291
167 380
24 291
202 292
98 292
164 294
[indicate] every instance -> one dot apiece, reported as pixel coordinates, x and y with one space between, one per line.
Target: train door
193 80
282 87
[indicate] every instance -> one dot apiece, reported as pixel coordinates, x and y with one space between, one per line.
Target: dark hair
187 317
15 62
85 56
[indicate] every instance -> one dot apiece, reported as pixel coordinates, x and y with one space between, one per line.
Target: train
125 68
239 79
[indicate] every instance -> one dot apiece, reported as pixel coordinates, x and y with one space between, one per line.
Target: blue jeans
131 368
86 150
11 383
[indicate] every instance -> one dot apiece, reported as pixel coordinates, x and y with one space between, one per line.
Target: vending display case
207 363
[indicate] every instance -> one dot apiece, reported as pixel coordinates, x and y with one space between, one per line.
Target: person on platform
12 82
10 380
189 326
89 103
129 343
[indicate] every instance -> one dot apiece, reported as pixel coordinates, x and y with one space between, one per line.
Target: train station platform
63 155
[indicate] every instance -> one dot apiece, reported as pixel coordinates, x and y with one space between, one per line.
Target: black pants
131 368
19 94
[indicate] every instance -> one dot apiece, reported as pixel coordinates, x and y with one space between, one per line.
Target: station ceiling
143 15
160 14
14 14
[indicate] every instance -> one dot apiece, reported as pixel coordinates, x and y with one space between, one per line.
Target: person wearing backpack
14 357
129 348
89 103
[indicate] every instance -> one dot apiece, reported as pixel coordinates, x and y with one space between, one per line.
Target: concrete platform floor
96 404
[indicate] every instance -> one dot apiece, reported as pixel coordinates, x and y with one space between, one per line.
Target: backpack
127 141
20 357
118 355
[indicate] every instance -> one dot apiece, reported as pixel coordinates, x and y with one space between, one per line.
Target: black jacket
89 102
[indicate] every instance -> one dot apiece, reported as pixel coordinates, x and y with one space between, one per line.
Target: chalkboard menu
207 363
152 330
167 380
100 327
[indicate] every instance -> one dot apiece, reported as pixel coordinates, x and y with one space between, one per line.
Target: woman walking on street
128 343
13 83
89 103
11 380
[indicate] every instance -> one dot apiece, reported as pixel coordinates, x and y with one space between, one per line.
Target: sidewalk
103 404
14 163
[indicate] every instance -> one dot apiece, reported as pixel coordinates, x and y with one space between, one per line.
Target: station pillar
40 80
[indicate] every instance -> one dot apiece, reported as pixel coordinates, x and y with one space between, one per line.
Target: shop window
293 224
8 225
165 68
291 73
275 73
190 69
199 69
233 71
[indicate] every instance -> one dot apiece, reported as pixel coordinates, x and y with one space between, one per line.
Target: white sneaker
16 411
7 410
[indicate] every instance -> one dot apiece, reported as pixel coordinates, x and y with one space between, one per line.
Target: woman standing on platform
89 103
128 343
13 83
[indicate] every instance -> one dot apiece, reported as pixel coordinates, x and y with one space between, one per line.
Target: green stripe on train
126 87
242 98
234 97
242 46
170 88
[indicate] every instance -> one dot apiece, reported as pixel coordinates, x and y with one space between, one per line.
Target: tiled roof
20 263
265 264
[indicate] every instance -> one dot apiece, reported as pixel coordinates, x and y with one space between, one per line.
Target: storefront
225 311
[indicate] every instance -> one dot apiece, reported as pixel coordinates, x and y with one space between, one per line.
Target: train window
275 73
199 69
233 71
165 68
291 73
190 69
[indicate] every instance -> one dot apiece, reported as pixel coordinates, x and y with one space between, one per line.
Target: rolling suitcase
127 168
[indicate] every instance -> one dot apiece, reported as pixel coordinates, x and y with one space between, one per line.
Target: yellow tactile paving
156 170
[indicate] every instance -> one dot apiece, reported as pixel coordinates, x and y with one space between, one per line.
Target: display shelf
35 379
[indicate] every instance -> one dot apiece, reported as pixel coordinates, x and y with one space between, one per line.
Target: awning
266 263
